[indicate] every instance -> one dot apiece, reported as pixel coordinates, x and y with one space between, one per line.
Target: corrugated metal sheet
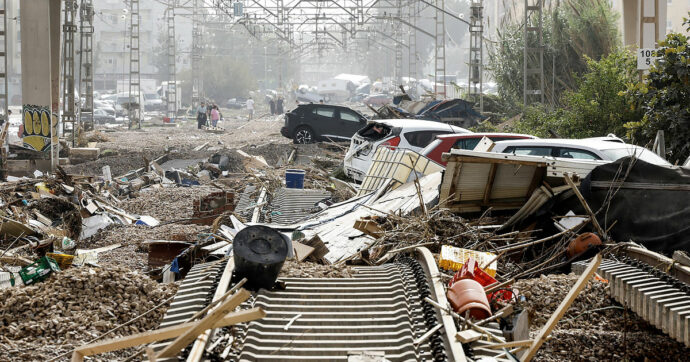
292 205
335 225
246 202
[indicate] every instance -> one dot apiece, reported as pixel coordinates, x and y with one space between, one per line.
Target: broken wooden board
369 226
468 336
302 251
161 334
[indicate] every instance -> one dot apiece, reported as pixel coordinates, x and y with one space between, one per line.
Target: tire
303 135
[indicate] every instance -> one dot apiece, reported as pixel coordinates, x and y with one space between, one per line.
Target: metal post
197 55
533 53
440 49
172 59
475 76
135 109
412 41
4 97
68 106
397 30
86 13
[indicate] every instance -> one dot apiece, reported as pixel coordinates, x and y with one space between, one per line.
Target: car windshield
641 153
150 96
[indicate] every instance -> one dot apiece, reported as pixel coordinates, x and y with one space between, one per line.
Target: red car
464 141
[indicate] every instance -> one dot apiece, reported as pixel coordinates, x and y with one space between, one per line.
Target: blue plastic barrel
294 179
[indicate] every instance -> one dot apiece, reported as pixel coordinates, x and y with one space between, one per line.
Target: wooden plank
302 251
513 344
562 308
490 183
207 322
163 334
471 159
468 336
447 181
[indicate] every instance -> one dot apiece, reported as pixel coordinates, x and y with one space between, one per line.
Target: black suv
313 122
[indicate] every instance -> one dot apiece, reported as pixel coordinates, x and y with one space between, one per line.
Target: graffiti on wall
37 123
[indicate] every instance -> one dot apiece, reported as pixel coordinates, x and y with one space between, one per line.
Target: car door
325 121
350 122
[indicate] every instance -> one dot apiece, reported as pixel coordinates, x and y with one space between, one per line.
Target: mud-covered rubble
77 305
595 327
306 269
166 204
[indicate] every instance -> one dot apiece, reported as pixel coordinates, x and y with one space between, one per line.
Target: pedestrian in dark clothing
272 105
279 106
201 115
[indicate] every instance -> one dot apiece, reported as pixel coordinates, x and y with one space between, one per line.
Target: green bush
664 98
595 108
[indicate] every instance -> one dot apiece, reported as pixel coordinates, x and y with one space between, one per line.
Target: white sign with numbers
645 58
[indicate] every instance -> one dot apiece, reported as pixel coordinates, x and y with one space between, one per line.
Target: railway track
380 309
641 281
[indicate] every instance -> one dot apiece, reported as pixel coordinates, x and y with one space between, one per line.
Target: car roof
418 123
482 134
597 144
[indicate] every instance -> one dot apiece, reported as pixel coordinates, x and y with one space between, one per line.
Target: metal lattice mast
440 50
533 54
86 61
172 56
4 97
398 44
475 81
135 109
412 41
68 106
197 81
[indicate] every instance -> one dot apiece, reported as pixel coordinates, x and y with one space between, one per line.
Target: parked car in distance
464 141
234 103
99 116
152 102
409 134
592 149
378 99
105 106
314 122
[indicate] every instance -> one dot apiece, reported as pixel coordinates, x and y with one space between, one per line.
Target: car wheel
303 135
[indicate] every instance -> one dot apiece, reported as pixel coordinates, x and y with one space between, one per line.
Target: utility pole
171 93
397 31
440 49
413 9
135 107
533 53
475 77
197 50
86 13
68 107
4 96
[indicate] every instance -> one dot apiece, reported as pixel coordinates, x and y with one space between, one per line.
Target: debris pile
595 326
77 305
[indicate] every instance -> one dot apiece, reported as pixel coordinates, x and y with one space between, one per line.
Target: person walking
279 106
272 106
215 116
201 115
250 108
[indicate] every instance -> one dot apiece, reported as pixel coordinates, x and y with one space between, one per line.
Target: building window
669 24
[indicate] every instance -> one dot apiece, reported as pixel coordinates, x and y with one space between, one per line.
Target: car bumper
284 132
